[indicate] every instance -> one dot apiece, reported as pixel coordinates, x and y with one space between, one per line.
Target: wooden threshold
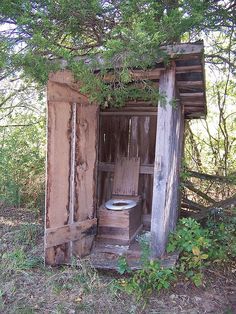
106 256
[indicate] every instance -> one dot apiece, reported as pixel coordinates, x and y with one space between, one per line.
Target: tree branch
189 185
204 176
221 205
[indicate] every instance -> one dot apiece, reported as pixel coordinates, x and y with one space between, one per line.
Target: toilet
119 219
120 204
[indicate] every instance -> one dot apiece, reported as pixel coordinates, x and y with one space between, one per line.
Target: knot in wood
83 124
83 166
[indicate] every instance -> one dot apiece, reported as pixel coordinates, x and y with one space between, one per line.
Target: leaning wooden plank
72 232
166 168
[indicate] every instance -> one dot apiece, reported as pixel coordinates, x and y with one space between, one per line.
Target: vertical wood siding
127 136
71 172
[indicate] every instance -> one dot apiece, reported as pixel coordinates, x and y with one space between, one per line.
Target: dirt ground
26 286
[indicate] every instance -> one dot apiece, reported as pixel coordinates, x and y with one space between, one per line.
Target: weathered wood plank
71 138
126 176
133 142
189 84
153 74
144 154
85 171
64 93
183 49
194 95
189 69
71 232
128 113
62 77
131 108
110 167
166 168
58 176
58 168
109 259
85 161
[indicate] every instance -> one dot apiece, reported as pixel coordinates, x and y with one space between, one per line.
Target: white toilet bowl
120 204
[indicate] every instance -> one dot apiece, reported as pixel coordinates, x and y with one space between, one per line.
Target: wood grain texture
110 167
71 232
126 176
85 171
86 158
58 173
65 93
128 135
71 170
166 168
120 226
58 169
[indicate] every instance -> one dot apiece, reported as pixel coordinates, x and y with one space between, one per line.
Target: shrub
198 246
22 162
152 277
193 243
223 234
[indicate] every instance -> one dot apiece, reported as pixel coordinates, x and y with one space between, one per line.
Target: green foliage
124 34
193 242
188 235
198 246
223 235
144 243
123 266
22 159
152 277
1 300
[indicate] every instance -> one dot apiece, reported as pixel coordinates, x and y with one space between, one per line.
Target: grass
26 286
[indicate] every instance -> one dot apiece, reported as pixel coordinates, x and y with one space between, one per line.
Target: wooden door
70 223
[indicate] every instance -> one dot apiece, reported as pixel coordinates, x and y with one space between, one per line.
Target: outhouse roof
188 59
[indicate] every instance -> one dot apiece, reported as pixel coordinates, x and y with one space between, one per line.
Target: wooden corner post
169 137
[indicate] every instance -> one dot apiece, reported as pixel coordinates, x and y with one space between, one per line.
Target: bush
153 277
199 246
223 234
22 163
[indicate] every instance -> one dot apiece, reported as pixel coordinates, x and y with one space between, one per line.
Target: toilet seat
127 204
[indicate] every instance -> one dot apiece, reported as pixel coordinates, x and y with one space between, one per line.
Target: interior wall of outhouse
127 135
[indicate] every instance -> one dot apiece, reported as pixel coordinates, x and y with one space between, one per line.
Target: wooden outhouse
86 145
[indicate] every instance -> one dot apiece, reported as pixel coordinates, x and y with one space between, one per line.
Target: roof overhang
188 60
